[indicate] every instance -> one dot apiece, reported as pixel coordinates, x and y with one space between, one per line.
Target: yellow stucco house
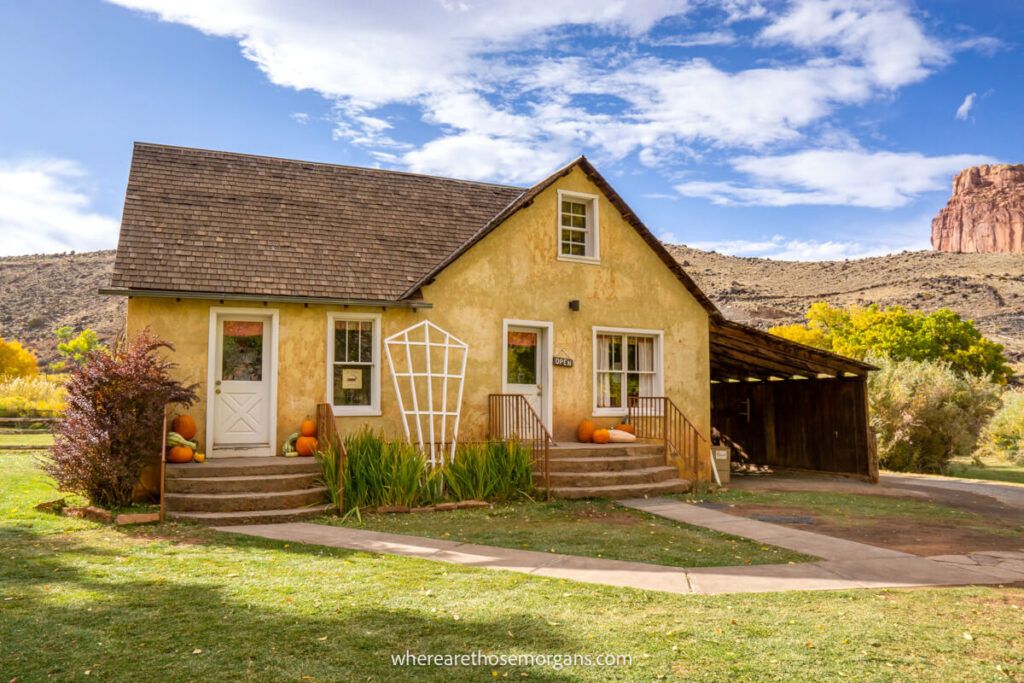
282 284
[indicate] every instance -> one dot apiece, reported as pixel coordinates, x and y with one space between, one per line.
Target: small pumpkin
180 454
307 428
602 436
184 425
626 427
585 432
199 457
305 445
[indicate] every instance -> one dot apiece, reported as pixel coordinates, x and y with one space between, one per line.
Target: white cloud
881 180
515 78
790 249
964 110
44 209
300 117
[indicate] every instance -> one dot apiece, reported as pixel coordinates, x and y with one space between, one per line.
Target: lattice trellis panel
428 367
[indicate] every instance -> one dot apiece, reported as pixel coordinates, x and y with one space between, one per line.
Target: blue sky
809 129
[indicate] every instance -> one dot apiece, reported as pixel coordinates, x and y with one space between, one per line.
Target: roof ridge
349 167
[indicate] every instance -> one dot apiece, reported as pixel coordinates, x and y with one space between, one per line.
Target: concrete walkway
845 564
1007 493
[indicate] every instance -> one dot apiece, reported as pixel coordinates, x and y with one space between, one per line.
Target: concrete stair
245 491
611 471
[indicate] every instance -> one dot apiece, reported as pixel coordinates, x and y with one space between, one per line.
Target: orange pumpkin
602 436
180 454
184 425
305 445
585 432
308 428
626 427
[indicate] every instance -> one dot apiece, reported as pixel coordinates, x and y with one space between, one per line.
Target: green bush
498 470
1003 436
926 413
380 472
36 396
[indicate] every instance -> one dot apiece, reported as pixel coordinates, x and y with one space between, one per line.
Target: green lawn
993 469
831 504
42 439
80 601
589 528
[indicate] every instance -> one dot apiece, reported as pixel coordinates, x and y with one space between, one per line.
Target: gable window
577 227
627 363
353 363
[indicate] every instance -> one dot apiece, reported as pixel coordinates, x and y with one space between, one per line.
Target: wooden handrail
658 417
327 433
510 417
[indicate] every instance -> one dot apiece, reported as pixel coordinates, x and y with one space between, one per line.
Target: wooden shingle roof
200 221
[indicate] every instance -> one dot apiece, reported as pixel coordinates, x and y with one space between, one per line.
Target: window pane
609 390
641 354
242 351
353 385
366 342
522 357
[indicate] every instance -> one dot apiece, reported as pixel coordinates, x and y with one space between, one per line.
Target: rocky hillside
988 288
985 213
41 293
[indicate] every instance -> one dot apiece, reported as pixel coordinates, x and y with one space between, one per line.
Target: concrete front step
240 467
589 450
241 502
252 517
623 490
644 475
261 483
603 463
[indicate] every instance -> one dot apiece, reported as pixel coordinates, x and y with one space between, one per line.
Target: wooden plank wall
814 424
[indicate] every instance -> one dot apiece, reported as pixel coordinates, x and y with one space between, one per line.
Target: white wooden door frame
211 370
547 329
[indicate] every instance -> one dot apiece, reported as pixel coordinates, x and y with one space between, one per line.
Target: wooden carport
789 405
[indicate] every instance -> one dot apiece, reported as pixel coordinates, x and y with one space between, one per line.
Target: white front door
242 385
526 367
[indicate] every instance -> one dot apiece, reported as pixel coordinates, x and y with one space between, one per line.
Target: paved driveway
1011 495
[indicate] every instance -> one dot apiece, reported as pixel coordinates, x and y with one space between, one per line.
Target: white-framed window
353 363
626 363
578 238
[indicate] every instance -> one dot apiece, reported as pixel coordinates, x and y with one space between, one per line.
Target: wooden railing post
163 468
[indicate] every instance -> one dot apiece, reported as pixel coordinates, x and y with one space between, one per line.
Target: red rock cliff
985 213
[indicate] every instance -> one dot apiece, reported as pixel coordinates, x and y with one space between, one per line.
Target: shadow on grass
70 606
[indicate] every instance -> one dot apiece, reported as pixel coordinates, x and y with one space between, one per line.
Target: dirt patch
904 533
618 517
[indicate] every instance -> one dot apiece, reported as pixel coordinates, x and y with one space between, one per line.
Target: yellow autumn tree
16 360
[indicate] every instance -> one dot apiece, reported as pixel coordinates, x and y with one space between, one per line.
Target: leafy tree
114 417
16 360
74 348
899 334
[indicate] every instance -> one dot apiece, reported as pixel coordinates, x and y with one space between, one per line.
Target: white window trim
659 374
372 410
593 229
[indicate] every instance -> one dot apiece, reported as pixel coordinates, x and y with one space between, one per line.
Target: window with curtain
626 365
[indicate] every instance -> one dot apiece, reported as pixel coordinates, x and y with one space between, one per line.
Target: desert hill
40 293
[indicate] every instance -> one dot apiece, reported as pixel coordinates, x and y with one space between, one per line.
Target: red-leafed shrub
114 417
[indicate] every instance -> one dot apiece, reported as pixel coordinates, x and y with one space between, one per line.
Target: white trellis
414 370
